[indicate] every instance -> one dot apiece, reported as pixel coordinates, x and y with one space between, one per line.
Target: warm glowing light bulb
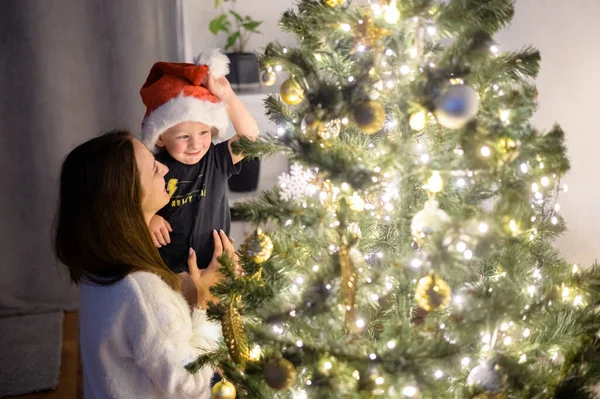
409 391
417 121
483 228
523 358
435 184
391 13
255 353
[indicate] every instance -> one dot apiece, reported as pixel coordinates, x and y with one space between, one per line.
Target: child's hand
159 230
220 87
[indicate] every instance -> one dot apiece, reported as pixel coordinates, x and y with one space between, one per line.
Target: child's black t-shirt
198 205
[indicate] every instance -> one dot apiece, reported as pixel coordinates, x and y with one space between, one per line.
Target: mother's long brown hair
101 234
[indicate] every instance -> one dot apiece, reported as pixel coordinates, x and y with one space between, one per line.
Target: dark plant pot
247 180
243 68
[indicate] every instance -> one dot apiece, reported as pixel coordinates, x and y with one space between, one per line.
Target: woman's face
151 173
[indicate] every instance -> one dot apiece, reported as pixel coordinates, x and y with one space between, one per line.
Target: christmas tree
408 253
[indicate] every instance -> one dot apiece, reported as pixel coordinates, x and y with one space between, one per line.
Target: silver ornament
455 107
485 378
428 221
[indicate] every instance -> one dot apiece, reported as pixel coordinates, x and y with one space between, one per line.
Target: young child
186 105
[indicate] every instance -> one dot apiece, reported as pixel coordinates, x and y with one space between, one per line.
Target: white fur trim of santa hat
182 109
218 63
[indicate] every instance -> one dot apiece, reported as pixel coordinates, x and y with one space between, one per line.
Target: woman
136 330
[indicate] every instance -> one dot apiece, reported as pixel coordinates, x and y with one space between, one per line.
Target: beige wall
567 33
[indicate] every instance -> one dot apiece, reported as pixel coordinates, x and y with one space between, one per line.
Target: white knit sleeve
164 338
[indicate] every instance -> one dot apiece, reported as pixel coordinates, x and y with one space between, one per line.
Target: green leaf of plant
232 39
218 24
252 25
236 15
217 2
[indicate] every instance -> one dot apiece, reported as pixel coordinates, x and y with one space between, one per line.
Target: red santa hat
176 92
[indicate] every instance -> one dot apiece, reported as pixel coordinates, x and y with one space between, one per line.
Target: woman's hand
195 285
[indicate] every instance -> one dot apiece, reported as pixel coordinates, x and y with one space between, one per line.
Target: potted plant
243 65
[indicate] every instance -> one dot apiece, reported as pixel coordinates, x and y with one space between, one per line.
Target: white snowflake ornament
297 184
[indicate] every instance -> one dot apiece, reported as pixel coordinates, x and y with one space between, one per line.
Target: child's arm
159 230
243 122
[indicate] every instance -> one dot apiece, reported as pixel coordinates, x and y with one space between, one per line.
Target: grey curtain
69 70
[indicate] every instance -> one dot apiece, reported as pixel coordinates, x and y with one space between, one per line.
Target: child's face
186 142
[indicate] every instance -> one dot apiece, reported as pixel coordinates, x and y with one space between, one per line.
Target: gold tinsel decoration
432 293
369 116
258 277
323 130
268 78
348 287
258 247
279 374
368 34
334 3
508 149
223 390
234 333
291 93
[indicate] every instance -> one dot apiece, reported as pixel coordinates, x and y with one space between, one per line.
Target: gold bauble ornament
223 390
334 3
432 293
291 93
258 247
279 374
268 78
369 116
